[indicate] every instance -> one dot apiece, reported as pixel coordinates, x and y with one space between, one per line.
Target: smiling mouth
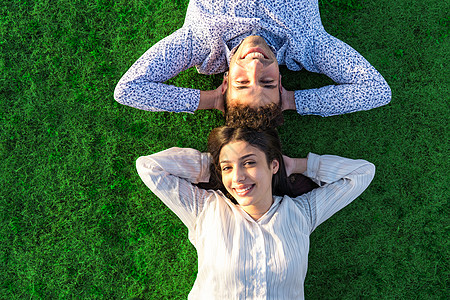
255 53
245 191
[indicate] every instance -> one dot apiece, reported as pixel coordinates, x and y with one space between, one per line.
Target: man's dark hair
263 117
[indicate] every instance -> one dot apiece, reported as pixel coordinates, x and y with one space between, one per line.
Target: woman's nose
239 175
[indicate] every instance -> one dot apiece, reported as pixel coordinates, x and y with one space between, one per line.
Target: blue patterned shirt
213 29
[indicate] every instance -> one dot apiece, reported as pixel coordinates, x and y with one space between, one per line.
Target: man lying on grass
248 40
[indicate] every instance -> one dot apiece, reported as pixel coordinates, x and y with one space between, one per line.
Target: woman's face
246 174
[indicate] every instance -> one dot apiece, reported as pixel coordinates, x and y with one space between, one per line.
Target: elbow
371 171
366 174
139 163
119 93
383 90
369 174
386 93
380 93
142 163
144 166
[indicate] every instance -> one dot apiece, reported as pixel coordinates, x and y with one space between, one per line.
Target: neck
257 211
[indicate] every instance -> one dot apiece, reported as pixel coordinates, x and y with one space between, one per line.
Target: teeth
255 55
243 190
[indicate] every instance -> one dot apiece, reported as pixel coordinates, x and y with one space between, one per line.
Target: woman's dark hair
265 140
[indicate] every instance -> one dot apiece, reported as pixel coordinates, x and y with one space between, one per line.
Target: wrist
212 99
301 165
288 100
207 100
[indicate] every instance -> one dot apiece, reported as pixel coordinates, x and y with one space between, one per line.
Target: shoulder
294 213
296 205
216 204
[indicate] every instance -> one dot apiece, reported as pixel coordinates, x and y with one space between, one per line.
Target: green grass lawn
78 223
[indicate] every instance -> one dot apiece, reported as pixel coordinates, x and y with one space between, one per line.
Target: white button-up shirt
238 257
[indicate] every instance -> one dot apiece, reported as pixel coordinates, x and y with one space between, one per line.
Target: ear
224 83
275 166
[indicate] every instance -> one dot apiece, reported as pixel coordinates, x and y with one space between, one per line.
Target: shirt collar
276 202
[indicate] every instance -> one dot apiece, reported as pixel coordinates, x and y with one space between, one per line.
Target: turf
76 222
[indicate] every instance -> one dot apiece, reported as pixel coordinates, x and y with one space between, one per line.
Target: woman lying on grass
252 239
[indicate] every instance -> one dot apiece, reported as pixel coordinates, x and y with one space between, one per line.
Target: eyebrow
242 158
241 87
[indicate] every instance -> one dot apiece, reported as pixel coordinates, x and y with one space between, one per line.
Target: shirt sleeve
359 85
340 180
171 175
142 85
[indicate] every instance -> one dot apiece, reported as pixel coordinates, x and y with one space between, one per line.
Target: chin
244 201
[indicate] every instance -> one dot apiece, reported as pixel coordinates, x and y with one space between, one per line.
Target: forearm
359 85
170 175
142 86
341 180
153 96
341 99
325 169
183 163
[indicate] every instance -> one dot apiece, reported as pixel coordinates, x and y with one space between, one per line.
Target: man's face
253 78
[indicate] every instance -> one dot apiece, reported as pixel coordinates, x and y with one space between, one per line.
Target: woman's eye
266 81
249 163
226 168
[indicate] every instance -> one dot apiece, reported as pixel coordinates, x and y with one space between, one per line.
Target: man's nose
254 67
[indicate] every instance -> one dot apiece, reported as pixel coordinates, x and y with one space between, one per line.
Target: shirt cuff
301 101
205 167
188 102
312 166
308 102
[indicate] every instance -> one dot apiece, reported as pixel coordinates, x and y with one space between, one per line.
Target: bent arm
340 180
170 175
359 85
295 165
142 85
